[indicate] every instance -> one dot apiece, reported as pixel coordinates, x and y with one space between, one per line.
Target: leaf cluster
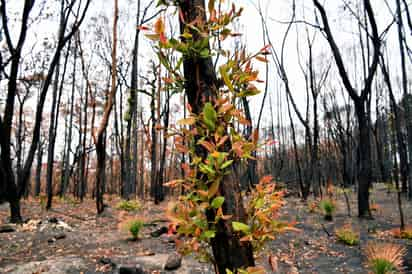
212 139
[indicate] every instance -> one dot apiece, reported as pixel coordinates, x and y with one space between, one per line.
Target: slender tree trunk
162 164
252 177
37 186
153 148
66 176
101 133
396 178
304 189
228 251
407 98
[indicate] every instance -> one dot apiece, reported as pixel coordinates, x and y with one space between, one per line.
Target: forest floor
72 239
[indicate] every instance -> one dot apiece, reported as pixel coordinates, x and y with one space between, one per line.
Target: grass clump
384 258
347 236
328 208
128 205
133 227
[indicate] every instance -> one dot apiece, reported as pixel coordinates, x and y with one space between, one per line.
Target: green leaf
248 92
186 35
226 79
161 3
204 53
182 48
218 202
226 164
179 63
206 169
164 61
208 234
200 223
259 203
238 226
209 116
203 44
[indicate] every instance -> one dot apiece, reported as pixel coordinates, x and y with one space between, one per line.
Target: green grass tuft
134 228
347 236
128 205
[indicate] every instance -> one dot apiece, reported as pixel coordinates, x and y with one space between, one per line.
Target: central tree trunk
201 86
365 169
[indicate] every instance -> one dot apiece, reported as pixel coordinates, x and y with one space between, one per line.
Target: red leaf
265 48
209 146
266 179
143 28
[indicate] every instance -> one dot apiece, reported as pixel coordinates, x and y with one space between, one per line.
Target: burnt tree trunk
360 101
6 169
200 87
161 176
407 101
37 185
153 147
100 140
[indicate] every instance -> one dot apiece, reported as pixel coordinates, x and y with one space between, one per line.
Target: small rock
174 261
60 236
159 232
131 269
108 261
53 220
56 237
64 226
7 228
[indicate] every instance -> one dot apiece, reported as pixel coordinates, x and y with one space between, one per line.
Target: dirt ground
72 230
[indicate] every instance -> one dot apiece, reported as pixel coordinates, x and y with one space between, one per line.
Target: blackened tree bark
161 176
303 188
9 182
129 180
200 87
53 123
360 102
153 142
37 185
100 140
251 173
66 172
407 100
83 157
